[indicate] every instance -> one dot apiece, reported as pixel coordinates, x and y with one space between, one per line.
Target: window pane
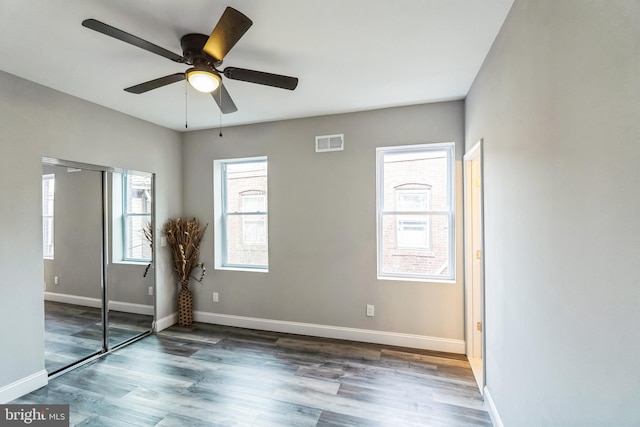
136 216
48 191
253 203
409 201
414 232
246 240
136 245
47 234
415 245
138 194
243 180
415 212
413 170
254 230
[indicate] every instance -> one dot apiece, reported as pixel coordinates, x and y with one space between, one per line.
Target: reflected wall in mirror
72 252
99 279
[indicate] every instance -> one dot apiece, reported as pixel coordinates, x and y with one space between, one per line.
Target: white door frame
474 154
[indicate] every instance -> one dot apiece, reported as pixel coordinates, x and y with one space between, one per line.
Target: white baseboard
23 386
165 322
130 307
493 411
73 299
337 332
126 307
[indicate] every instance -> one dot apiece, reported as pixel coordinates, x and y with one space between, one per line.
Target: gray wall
77 260
322 223
34 122
557 103
78 243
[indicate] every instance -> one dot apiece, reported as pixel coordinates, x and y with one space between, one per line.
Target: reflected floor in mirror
73 332
209 375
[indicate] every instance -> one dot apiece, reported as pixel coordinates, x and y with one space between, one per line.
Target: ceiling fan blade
155 84
229 29
223 99
261 78
110 31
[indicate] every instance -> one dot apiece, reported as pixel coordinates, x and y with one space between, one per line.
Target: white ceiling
350 55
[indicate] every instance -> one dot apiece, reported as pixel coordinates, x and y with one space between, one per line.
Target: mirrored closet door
97 226
130 273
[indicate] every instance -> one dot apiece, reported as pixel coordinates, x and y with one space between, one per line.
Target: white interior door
474 261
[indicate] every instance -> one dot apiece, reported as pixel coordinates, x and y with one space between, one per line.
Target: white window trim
125 216
51 254
380 152
220 215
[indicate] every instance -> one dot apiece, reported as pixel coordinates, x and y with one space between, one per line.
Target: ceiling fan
205 55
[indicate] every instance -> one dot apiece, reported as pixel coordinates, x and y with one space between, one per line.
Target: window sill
415 279
132 262
246 269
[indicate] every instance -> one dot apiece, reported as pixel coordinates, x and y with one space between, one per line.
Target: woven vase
185 306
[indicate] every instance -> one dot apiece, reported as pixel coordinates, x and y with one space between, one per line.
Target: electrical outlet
150 290
215 297
370 310
55 280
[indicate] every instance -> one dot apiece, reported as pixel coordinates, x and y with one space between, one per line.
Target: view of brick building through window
136 216
415 235
48 191
246 228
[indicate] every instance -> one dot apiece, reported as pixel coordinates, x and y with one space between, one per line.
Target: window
254 227
414 231
48 191
136 216
415 212
241 214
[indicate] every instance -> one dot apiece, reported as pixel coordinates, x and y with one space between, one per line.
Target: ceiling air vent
326 143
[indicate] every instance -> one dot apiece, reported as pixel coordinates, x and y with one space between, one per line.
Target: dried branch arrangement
147 231
183 237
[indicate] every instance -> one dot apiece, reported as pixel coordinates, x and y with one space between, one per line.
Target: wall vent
326 143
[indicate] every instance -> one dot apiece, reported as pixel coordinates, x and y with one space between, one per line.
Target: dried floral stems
183 237
147 230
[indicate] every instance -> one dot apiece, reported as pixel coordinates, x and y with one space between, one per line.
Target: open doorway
474 262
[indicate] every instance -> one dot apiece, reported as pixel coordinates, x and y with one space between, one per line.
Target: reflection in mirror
97 226
129 275
72 251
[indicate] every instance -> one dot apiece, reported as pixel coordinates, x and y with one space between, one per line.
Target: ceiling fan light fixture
203 80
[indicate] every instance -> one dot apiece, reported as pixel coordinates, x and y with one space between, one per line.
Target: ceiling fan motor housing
192 45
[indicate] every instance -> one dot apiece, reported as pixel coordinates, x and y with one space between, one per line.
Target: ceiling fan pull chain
220 90
186 125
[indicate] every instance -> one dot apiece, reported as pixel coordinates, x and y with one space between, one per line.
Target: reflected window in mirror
48 193
136 217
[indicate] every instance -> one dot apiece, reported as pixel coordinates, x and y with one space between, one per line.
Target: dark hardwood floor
211 375
73 332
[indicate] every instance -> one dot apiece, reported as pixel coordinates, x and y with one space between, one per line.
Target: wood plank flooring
210 375
73 332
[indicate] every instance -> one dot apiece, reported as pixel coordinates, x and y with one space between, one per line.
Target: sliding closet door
73 264
98 227
130 272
